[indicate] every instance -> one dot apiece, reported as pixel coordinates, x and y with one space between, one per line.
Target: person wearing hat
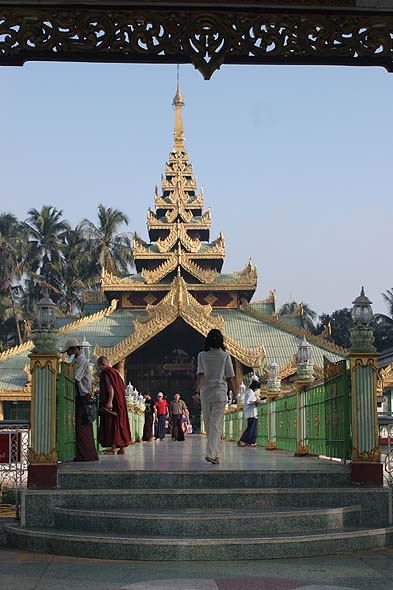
249 436
85 446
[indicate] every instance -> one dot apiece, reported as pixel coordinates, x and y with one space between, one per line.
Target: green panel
365 409
225 430
237 425
314 435
42 411
286 423
338 416
262 433
65 394
328 417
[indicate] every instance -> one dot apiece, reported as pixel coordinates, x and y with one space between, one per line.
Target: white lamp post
46 314
273 383
86 348
362 334
44 334
305 369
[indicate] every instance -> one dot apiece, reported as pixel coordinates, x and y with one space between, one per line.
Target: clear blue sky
296 162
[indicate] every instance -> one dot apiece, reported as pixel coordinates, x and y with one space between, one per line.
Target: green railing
327 410
262 432
286 422
65 413
316 419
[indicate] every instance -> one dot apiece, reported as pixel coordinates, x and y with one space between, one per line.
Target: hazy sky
296 162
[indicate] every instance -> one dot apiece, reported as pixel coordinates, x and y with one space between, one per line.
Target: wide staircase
203 515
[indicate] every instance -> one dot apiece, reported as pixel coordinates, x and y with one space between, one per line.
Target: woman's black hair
214 339
255 384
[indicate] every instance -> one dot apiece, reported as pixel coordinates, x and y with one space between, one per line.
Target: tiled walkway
168 455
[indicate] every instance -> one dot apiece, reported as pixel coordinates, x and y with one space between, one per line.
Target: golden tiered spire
178 103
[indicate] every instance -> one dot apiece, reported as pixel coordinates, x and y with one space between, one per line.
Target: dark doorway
167 362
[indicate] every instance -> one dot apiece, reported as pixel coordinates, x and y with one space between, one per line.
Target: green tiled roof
262 307
292 320
11 371
106 331
226 278
61 322
279 345
90 308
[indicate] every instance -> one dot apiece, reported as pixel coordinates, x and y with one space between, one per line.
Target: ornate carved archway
206 34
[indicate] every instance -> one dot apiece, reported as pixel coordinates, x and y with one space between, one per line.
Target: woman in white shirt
214 375
249 436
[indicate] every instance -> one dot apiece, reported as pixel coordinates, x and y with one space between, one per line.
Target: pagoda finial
178 103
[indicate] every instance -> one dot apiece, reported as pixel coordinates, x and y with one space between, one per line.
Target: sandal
121 451
215 461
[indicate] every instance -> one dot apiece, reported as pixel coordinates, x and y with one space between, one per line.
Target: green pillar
366 467
42 471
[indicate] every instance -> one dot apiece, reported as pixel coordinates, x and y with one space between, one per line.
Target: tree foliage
45 254
307 315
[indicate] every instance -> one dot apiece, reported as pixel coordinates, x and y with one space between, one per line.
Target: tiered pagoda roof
179 232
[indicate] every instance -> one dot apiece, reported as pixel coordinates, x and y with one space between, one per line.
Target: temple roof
251 337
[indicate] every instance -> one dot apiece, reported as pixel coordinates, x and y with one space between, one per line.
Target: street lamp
362 333
304 352
273 382
44 335
46 314
305 369
362 312
273 370
86 348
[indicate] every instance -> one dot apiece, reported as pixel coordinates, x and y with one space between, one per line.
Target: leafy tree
13 248
307 317
77 270
46 230
113 250
383 324
340 321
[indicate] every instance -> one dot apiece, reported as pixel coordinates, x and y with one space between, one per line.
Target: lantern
46 314
362 312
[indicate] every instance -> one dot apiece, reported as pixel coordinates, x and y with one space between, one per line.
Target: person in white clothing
214 375
249 436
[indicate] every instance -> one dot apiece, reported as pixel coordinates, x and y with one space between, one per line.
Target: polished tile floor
21 570
168 455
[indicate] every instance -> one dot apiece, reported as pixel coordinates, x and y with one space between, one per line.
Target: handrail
6 423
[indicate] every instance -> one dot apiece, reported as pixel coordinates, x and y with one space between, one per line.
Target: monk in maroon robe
114 431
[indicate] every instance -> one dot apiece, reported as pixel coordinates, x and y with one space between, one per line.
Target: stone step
198 523
38 505
335 476
109 546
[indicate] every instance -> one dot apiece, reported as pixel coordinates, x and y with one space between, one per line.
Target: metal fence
385 426
316 418
14 448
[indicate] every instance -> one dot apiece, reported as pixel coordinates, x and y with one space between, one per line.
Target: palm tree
388 298
113 251
78 268
307 315
13 247
46 230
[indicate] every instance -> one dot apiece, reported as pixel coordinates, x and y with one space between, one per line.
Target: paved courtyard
33 571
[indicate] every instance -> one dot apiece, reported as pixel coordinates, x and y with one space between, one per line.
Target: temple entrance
167 362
